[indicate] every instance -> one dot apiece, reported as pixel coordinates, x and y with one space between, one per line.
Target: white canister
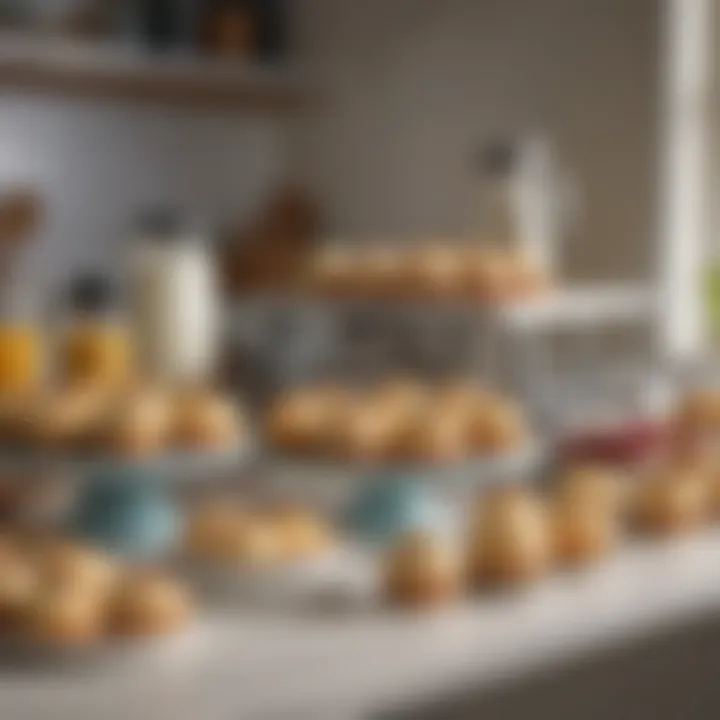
524 199
174 302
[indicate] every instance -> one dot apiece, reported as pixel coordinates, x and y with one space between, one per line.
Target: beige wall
407 89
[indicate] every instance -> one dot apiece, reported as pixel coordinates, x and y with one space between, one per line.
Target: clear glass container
96 344
22 345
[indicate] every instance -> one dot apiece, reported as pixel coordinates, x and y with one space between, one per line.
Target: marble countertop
242 663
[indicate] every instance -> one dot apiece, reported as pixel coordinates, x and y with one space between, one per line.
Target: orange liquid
21 357
98 353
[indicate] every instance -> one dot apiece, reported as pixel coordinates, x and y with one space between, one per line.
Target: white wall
95 165
409 87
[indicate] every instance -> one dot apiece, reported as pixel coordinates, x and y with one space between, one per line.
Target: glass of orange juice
97 352
21 356
96 347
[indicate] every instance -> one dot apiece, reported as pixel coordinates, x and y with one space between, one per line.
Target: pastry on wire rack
148 604
332 271
434 272
461 395
139 426
367 433
401 397
602 488
699 411
379 272
582 534
511 538
64 614
439 437
63 563
212 529
498 426
64 419
301 534
19 582
422 570
203 419
486 274
672 501
307 420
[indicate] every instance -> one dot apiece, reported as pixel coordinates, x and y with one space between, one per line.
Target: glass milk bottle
174 301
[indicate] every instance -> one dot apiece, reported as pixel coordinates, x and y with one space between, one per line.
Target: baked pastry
251 541
19 584
400 397
422 571
435 271
64 564
205 420
378 271
139 426
461 395
332 271
498 425
487 274
699 411
602 489
710 473
435 437
307 420
695 428
64 419
16 412
367 433
8 550
150 604
300 535
212 529
582 533
511 538
672 502
65 615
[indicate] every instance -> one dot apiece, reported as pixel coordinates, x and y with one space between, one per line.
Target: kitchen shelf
104 71
582 306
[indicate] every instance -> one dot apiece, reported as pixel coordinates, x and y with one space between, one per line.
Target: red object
629 442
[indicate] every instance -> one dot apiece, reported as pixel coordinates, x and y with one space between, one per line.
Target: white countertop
246 664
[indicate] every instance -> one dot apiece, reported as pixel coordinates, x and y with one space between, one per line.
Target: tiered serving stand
125 506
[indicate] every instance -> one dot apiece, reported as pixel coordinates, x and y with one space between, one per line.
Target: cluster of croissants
132 422
517 536
434 271
397 420
56 593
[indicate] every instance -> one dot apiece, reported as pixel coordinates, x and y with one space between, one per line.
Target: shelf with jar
224 55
